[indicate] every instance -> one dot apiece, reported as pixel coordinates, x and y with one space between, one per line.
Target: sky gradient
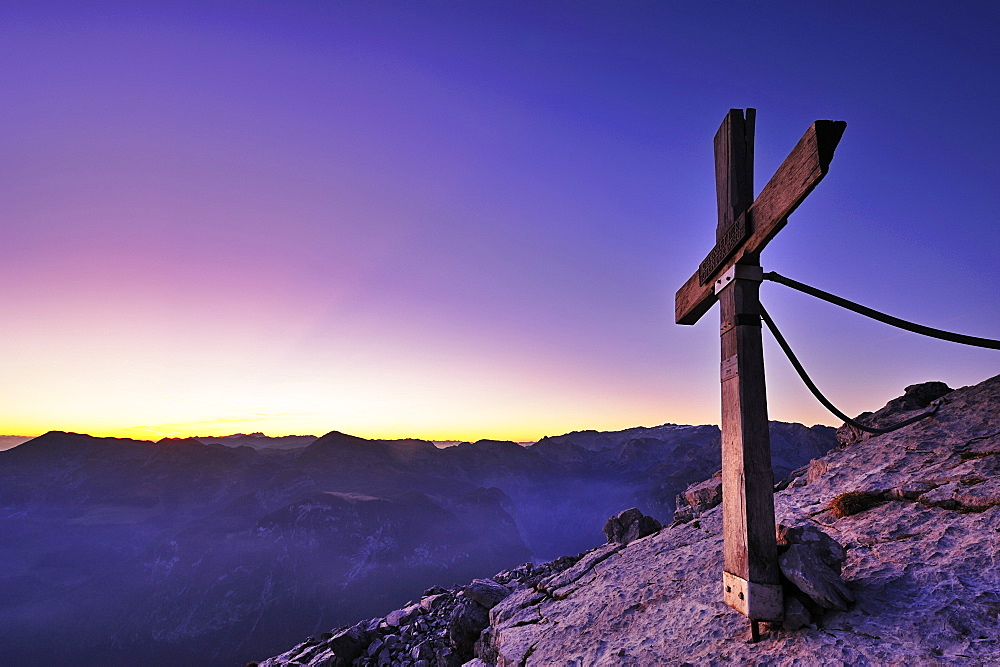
463 220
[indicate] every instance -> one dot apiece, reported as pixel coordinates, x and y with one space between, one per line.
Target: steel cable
988 343
783 344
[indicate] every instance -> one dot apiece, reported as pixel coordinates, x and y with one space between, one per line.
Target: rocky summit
906 525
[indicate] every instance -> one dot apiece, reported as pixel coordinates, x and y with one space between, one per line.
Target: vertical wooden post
734 167
750 579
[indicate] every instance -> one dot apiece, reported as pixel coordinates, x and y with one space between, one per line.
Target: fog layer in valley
220 550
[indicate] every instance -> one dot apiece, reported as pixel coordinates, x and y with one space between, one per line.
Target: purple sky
469 219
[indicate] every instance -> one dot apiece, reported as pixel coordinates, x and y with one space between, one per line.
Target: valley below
218 551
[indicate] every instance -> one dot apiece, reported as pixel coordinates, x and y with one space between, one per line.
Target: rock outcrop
443 629
629 526
698 498
916 397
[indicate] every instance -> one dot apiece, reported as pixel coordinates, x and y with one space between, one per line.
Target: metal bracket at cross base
758 602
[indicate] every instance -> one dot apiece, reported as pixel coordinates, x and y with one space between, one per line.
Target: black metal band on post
783 344
975 341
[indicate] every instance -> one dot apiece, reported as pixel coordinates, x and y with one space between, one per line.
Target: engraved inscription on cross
731 274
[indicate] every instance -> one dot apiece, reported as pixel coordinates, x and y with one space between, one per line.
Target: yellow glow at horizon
157 388
151 367
135 381
446 407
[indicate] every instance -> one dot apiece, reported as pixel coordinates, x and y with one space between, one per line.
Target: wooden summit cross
731 274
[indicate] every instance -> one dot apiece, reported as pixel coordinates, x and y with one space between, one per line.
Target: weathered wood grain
749 547
801 171
747 480
733 146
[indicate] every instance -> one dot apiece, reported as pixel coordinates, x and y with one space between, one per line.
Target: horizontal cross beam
801 171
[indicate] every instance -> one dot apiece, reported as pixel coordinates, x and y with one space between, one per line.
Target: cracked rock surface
923 565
